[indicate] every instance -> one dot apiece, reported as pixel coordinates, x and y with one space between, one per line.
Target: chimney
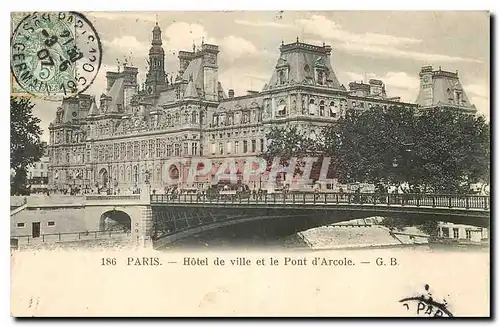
231 93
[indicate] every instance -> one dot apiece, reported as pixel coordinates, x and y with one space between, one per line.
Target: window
177 150
158 149
123 153
282 77
361 104
186 149
254 145
281 108
261 145
312 107
151 148
468 234
320 77
322 108
455 232
236 146
246 117
51 223
446 232
221 148
169 150
136 153
194 117
20 225
245 146
194 148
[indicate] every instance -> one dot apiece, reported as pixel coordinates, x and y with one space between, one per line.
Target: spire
156 35
297 39
156 19
93 109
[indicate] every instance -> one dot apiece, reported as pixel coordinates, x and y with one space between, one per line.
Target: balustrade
456 201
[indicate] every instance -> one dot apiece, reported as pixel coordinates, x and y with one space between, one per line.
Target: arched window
215 120
194 117
281 108
312 107
177 119
230 118
334 110
322 108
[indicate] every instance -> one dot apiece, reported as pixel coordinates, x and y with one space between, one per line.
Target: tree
369 146
453 150
441 150
25 145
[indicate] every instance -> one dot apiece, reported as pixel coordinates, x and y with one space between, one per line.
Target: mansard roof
302 59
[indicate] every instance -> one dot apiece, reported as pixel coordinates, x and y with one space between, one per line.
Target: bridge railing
329 198
112 197
68 237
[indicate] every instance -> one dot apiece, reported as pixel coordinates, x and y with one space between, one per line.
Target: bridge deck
436 201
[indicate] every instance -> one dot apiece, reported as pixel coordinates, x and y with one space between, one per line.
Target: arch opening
115 220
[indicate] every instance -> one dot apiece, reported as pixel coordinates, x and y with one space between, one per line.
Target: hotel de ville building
126 136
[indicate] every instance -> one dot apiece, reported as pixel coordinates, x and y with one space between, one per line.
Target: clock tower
156 78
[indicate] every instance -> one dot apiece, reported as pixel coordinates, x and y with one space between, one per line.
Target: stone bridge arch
115 220
119 216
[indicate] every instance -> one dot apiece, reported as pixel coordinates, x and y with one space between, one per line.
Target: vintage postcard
250 163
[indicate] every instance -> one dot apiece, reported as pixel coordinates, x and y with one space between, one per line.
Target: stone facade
111 143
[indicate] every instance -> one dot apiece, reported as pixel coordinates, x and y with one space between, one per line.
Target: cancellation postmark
54 55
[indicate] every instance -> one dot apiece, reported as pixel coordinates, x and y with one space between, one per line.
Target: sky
389 45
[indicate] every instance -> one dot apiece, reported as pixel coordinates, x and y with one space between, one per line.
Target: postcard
250 164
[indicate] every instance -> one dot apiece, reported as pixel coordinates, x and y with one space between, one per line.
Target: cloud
130 16
127 44
262 24
479 90
372 43
482 105
328 29
241 80
182 35
236 47
399 84
398 53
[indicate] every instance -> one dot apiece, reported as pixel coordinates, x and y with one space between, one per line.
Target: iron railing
456 201
68 237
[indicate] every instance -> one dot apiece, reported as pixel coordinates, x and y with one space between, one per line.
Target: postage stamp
54 55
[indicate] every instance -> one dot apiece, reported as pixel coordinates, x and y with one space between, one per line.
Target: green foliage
25 145
439 150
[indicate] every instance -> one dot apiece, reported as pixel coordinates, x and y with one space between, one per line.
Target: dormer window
321 77
458 98
282 71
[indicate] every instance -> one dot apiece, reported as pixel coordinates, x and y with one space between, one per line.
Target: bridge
179 216
166 218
